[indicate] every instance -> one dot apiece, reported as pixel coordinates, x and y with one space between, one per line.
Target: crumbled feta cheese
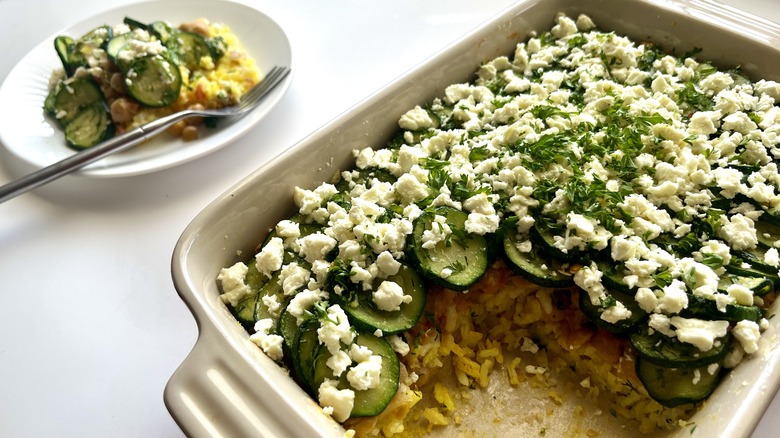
271 344
233 286
699 332
398 344
366 374
748 334
293 277
439 232
531 369
269 259
674 298
389 296
616 313
410 189
739 231
416 119
742 295
339 362
387 264
772 257
316 246
529 345
335 329
589 279
303 301
336 402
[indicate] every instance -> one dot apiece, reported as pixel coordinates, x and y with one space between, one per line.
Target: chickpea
189 133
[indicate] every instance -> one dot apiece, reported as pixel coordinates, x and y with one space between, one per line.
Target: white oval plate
27 133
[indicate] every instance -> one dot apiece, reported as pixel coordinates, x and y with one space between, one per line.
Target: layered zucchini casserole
589 210
116 78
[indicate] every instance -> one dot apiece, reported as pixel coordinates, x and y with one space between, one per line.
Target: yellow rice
496 327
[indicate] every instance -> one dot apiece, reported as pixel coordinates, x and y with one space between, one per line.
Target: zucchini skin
89 127
154 81
532 265
593 313
369 402
669 352
305 345
366 317
470 254
673 387
82 111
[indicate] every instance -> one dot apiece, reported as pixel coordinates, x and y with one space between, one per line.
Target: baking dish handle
215 392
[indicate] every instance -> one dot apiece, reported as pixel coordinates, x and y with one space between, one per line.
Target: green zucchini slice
368 402
676 386
367 317
154 81
462 255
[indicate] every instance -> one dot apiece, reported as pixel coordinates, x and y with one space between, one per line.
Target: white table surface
91 327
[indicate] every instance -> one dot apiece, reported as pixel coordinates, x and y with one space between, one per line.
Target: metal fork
133 137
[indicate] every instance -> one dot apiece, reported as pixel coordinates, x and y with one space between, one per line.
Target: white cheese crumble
233 286
389 296
336 402
270 257
271 344
748 334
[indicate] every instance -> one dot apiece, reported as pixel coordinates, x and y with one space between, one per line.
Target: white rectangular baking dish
227 387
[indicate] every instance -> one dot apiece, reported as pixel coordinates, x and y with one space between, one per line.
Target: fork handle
87 156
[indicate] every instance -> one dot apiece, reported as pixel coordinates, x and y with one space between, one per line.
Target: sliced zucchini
97 37
244 311
771 215
270 288
737 268
767 234
703 308
189 48
163 30
594 312
287 328
462 255
91 125
613 274
755 258
543 237
305 347
252 308
48 103
154 81
368 402
115 45
365 316
73 96
669 352
759 285
65 47
533 266
676 386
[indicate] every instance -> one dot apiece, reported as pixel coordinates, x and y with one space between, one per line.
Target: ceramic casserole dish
228 387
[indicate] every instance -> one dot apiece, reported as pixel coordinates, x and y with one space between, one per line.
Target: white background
91 327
